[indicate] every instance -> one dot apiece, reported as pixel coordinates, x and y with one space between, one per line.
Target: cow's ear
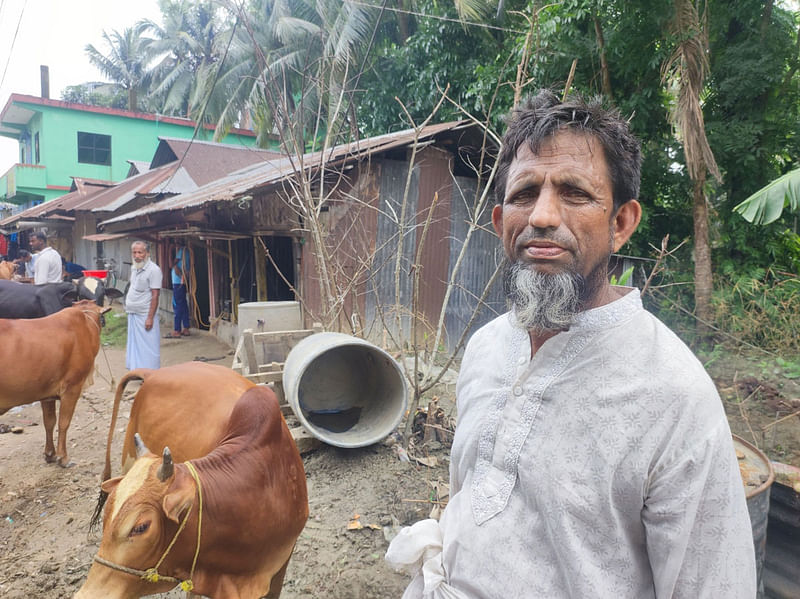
179 497
110 484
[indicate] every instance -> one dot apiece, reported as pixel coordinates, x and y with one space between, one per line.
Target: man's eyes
571 195
575 195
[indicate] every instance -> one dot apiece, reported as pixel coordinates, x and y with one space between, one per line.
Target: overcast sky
54 33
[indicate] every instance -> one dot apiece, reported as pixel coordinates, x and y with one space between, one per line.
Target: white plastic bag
417 550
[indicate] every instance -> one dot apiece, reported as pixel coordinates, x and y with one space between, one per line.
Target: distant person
25 264
71 270
180 306
141 305
48 261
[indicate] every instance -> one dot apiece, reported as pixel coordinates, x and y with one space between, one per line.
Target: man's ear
497 219
625 222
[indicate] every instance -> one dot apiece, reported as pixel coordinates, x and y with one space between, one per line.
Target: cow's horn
141 448
167 468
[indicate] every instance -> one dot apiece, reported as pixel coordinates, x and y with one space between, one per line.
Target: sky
55 33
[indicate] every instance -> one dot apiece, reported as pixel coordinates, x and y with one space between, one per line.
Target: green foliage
787 368
623 280
115 331
110 96
760 306
416 70
767 204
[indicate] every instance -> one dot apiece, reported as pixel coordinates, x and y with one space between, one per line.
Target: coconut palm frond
688 67
474 10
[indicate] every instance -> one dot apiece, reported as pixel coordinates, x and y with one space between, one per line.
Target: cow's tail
140 374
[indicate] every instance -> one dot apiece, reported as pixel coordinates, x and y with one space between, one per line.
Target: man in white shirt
592 456
48 261
141 304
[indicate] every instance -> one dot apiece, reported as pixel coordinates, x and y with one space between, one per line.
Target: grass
115 333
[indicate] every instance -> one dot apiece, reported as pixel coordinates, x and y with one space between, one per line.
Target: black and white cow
24 300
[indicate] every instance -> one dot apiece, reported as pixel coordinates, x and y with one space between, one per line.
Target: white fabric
143 281
417 550
601 467
144 347
48 267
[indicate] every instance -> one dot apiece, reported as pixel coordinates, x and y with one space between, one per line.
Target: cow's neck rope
87 314
151 574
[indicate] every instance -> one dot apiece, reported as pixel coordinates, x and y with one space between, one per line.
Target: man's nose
546 211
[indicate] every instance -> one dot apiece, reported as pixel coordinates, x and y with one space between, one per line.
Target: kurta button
517 390
522 361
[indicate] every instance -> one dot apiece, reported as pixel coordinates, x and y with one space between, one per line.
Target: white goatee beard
140 265
543 302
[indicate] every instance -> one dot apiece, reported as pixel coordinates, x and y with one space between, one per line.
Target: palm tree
126 61
687 68
186 51
294 67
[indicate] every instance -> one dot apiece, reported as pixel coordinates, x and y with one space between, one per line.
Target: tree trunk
402 22
703 282
601 46
132 99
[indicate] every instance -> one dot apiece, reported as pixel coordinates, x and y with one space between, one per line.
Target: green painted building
59 140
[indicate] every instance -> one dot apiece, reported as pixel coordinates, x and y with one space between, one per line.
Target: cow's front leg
49 418
65 411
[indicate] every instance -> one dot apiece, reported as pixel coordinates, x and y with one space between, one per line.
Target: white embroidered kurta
602 467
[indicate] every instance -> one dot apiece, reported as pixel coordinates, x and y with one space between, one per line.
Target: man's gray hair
143 243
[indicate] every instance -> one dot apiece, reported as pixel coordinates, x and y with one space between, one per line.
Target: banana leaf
767 204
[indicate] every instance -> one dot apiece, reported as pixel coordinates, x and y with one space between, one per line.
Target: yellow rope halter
151 574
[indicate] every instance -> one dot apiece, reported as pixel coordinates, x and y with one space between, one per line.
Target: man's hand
148 323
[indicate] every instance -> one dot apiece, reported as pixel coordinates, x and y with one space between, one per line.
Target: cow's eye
139 529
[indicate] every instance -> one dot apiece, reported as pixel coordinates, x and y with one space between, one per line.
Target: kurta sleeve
698 533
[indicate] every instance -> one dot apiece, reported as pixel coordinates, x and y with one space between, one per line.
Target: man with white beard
141 304
592 456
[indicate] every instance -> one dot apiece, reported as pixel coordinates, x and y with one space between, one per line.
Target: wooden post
261 270
212 290
250 364
234 289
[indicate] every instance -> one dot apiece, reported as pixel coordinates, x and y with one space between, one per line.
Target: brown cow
249 493
185 406
7 269
56 357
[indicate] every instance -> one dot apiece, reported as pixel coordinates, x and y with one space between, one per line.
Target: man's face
139 253
558 212
36 244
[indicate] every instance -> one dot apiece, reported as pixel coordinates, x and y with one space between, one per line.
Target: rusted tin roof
82 190
207 161
270 172
180 172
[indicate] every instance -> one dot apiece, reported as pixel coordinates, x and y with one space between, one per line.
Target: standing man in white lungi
141 304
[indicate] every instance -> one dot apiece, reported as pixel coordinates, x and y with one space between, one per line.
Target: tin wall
445 238
364 228
477 266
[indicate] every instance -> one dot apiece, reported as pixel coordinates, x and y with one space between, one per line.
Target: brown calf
234 520
56 357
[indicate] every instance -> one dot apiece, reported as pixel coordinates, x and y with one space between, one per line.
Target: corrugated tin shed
271 171
82 190
207 161
178 167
